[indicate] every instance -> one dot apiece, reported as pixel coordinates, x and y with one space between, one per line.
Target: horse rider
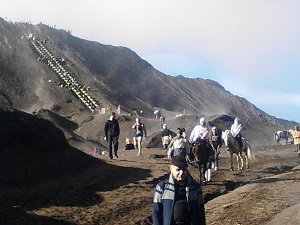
236 132
200 134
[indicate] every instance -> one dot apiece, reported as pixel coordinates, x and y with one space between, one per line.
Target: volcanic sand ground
120 191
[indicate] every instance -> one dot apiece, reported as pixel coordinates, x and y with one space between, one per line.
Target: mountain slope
114 75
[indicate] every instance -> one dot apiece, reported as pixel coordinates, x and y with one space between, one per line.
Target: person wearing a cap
177 145
179 199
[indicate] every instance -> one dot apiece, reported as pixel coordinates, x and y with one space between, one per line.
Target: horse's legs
216 161
247 162
242 157
200 174
205 169
238 161
231 161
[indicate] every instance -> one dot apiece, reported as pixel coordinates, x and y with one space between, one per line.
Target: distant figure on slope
162 120
157 114
166 136
139 133
112 132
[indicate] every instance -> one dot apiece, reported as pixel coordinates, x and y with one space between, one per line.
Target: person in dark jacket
112 132
179 199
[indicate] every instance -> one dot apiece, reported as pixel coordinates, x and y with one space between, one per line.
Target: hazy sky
251 47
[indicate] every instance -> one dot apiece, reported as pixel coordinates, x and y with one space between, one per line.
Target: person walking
166 136
139 133
112 132
177 145
162 120
179 199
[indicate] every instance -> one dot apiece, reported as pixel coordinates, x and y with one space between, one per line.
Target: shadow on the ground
78 190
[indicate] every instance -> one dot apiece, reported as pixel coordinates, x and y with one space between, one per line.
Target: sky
250 47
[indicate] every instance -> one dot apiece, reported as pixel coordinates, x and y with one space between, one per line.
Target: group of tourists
112 132
178 199
178 145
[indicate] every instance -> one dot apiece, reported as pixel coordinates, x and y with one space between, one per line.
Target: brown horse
201 154
233 147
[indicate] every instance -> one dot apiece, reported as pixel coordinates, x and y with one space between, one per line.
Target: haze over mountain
116 76
113 76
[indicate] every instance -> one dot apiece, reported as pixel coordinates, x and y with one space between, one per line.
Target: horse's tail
250 152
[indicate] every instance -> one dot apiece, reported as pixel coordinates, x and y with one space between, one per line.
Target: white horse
233 147
282 135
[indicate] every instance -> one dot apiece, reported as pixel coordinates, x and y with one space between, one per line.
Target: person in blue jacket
179 199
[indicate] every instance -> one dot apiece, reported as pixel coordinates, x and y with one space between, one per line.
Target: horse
233 147
201 155
282 134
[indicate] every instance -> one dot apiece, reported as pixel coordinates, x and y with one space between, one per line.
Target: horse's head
200 151
227 137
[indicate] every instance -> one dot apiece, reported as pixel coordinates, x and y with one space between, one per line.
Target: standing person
177 145
296 137
112 132
216 143
139 133
236 132
162 120
166 136
179 199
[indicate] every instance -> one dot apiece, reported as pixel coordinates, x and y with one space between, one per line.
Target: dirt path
120 191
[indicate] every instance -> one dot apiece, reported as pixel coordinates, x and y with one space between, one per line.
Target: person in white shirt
200 132
236 131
